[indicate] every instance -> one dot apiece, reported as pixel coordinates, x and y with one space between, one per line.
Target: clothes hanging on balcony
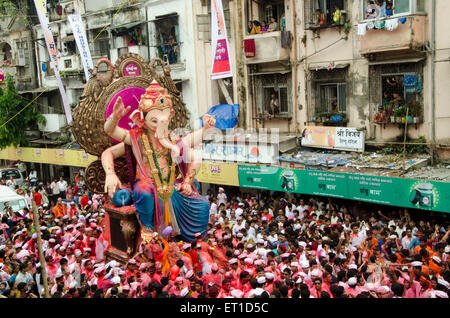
249 48
285 39
391 24
362 29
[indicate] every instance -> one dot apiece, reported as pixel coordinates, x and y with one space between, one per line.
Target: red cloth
249 48
84 201
38 198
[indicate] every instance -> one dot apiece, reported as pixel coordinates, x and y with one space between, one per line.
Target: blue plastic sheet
226 116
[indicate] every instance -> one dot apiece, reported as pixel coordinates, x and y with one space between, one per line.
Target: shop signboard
218 173
401 192
240 152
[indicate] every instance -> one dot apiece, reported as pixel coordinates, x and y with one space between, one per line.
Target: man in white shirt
55 191
301 208
221 197
406 240
62 185
240 210
28 197
213 207
238 226
33 177
11 183
357 236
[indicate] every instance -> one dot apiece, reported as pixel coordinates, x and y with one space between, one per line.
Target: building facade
350 66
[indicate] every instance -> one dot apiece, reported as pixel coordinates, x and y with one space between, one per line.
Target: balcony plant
400 114
416 111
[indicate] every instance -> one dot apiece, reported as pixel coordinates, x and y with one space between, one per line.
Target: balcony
412 34
268 48
54 123
70 64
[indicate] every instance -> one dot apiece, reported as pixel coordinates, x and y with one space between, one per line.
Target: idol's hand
184 188
112 183
119 109
209 121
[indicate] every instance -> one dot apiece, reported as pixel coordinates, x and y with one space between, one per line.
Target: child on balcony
389 9
337 15
372 11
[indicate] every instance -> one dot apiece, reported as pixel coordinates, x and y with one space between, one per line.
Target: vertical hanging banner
80 37
41 8
220 47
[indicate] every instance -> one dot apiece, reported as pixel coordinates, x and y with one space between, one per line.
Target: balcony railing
268 48
409 35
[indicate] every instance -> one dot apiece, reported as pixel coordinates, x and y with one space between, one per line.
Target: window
70 48
272 94
333 97
6 174
276 97
395 86
168 38
321 13
328 93
397 7
68 63
204 22
100 47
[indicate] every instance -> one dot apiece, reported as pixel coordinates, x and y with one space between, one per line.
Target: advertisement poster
218 173
220 47
339 138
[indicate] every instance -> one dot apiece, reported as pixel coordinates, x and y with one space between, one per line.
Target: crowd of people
270 245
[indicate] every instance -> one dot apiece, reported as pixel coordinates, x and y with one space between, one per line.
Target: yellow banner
62 157
219 173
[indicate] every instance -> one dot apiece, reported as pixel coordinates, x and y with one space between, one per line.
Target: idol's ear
137 119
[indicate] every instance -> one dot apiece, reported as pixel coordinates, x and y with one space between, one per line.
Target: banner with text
408 193
339 138
82 43
62 157
241 152
218 173
41 9
221 63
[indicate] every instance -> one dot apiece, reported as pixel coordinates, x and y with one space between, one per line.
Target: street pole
41 252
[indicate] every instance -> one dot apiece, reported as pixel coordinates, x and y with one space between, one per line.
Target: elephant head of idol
155 113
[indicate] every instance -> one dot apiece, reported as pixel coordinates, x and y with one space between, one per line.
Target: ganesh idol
164 190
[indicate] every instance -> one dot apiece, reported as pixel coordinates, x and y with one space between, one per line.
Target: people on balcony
389 9
372 10
273 26
320 20
337 15
264 27
256 27
382 7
